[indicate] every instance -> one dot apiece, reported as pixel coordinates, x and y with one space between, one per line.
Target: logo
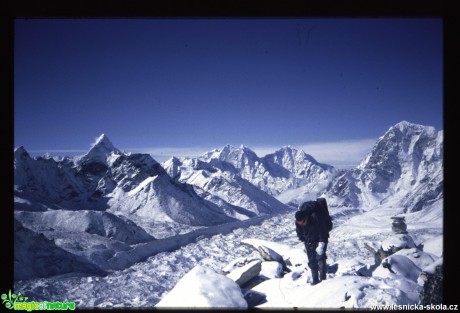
19 302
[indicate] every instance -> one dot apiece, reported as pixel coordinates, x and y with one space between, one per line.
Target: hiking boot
314 275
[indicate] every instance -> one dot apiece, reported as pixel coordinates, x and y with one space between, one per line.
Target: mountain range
404 168
109 200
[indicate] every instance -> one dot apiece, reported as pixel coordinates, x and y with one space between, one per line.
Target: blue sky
186 86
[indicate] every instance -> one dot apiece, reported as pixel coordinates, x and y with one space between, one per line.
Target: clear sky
186 86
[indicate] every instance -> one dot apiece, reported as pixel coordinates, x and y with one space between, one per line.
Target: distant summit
276 173
102 145
20 151
103 141
99 151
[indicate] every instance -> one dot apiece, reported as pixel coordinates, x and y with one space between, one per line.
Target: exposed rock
237 263
271 255
397 242
254 298
400 240
399 225
404 167
374 251
432 277
388 247
367 270
254 282
245 273
396 266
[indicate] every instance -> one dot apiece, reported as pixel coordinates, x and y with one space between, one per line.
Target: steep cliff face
405 168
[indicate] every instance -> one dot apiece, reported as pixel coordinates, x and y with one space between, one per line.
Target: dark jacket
312 231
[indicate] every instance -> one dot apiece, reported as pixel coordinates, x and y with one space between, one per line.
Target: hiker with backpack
313 224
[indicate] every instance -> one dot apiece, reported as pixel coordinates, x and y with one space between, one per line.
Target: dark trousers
313 257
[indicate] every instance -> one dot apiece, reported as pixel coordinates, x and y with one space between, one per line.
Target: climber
313 224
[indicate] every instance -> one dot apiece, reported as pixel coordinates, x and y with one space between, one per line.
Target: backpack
322 212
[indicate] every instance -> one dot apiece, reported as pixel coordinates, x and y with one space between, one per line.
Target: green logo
19 302
10 299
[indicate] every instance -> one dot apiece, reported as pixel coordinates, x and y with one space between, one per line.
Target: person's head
301 217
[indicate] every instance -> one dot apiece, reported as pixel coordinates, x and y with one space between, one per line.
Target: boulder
271 269
396 266
397 242
254 298
204 288
388 247
237 263
270 255
244 274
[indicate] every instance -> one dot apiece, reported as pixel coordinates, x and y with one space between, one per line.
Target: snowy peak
172 166
275 173
411 128
20 152
238 157
103 144
402 143
404 168
99 151
289 157
22 161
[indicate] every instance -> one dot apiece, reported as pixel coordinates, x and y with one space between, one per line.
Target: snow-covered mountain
276 174
107 179
285 169
85 227
98 153
404 168
219 182
44 183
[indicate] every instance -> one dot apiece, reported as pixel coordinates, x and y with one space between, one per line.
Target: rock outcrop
432 278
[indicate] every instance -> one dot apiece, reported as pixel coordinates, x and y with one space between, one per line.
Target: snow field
144 284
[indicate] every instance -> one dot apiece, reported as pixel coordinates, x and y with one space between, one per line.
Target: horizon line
332 153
